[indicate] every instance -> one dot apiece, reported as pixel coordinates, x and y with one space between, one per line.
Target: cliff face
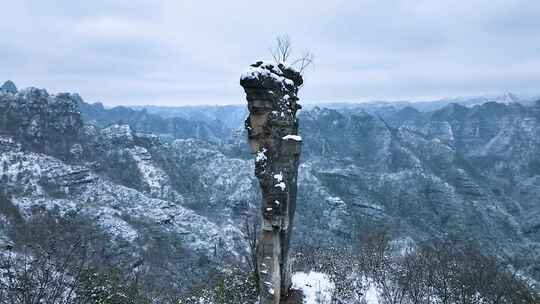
46 123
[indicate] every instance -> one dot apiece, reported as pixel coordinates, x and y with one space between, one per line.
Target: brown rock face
271 93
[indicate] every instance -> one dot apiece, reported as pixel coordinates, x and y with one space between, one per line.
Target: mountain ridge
457 171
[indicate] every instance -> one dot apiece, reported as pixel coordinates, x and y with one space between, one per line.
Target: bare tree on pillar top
283 50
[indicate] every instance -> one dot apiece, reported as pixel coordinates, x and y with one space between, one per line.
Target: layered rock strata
272 126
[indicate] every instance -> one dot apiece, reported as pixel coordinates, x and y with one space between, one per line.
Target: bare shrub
61 259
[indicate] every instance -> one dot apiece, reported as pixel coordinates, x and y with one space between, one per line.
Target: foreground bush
235 287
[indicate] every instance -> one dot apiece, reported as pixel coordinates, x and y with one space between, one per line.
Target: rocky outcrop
42 122
271 92
9 87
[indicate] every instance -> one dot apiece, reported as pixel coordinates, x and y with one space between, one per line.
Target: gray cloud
192 52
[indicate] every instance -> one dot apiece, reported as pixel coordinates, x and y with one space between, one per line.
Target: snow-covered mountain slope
179 206
138 190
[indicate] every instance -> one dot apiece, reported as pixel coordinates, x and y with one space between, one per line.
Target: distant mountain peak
9 87
510 98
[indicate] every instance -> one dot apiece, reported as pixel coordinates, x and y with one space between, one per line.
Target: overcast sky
192 52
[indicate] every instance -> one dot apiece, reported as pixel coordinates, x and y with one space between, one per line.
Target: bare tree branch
282 51
304 61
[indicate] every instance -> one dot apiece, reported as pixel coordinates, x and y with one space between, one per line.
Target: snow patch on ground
316 287
111 222
153 176
372 293
117 131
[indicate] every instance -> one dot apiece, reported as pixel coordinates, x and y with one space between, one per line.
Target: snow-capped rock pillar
271 93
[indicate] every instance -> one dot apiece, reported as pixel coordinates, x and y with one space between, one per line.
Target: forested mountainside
174 211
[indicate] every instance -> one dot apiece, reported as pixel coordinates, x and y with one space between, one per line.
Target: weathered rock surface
272 127
42 122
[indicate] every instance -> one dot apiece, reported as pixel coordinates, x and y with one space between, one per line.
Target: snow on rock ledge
270 75
293 137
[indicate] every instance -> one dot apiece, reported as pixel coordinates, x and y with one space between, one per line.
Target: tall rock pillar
271 93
